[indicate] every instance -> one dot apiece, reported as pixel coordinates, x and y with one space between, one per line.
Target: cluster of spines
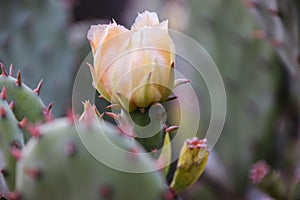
45 111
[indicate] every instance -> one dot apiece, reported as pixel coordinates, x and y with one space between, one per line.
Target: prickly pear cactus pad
58 166
11 143
26 101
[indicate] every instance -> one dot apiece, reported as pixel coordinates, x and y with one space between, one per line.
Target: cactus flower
133 68
191 164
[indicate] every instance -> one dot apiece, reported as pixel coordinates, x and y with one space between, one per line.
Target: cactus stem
11 69
16 153
14 196
3 94
19 79
11 105
4 72
106 191
171 128
23 123
37 90
34 173
113 115
2 112
70 149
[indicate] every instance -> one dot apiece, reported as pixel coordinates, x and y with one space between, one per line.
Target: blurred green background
255 45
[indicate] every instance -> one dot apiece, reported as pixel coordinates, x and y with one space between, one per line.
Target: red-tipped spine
2 112
3 94
37 90
47 110
19 79
4 72
23 123
171 128
11 105
113 115
11 69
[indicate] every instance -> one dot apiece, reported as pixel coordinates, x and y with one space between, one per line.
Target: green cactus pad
26 102
58 166
11 143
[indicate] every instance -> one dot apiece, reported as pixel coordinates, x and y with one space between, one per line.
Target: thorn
23 123
105 191
19 80
181 81
113 106
34 173
3 94
38 88
4 72
2 112
71 116
11 69
170 98
16 153
70 149
100 96
47 110
171 128
101 116
113 115
34 131
11 105
14 196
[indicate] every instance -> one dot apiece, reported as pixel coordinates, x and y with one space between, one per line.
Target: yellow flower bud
133 68
192 161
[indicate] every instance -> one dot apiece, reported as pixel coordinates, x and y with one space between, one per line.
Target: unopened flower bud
192 161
